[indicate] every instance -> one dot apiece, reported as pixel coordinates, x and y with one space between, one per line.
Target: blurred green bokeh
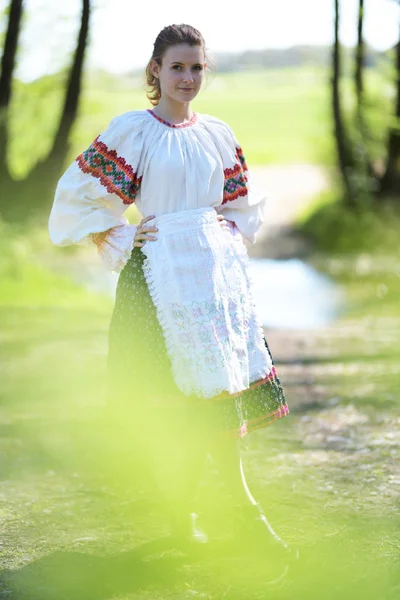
279 116
73 510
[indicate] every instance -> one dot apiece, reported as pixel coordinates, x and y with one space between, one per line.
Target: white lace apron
196 273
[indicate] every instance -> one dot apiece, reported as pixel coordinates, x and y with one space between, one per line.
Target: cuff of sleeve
232 225
234 229
115 246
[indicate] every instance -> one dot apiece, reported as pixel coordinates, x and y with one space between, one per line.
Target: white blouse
162 168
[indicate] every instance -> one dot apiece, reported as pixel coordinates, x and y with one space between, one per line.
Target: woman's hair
172 35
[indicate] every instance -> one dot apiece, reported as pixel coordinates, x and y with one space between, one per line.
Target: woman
189 368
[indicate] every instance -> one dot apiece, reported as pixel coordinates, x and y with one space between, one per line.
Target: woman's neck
173 112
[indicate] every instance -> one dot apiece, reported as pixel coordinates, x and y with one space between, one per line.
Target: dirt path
289 188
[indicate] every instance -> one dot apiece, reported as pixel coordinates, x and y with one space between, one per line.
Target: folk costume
184 322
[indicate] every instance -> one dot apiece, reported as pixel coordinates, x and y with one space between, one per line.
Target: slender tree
352 145
390 183
73 90
32 196
360 55
361 133
7 66
343 146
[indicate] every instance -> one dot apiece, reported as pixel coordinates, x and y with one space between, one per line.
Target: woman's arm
91 198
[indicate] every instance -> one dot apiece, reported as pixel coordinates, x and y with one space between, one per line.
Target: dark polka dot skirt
140 381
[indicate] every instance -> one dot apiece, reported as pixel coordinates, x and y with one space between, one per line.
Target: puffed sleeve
243 204
93 194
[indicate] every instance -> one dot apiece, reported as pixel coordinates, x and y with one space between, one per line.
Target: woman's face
181 73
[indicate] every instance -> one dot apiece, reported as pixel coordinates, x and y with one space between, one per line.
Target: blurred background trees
364 121
361 177
31 196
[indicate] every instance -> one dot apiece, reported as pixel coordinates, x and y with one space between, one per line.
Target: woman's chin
184 96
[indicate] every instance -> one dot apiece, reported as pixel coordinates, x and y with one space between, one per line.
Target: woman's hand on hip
223 222
142 230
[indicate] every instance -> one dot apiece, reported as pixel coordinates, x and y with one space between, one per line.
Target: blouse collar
175 125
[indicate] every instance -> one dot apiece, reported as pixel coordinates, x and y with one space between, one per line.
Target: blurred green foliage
29 274
333 227
279 116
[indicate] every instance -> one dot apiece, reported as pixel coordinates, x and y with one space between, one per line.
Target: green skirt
140 382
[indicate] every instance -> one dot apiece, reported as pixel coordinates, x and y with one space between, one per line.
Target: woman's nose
188 77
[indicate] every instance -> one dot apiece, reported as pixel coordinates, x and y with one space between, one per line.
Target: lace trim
259 328
258 357
99 237
115 246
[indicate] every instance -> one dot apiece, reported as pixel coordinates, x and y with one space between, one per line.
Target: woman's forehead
185 54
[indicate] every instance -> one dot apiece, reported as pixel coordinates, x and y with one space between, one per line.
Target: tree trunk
71 100
31 198
360 52
362 133
345 160
390 183
6 75
50 168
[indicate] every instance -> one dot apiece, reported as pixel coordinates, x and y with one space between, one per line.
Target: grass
27 282
75 521
333 227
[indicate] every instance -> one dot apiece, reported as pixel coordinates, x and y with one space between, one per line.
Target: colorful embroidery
115 174
236 179
99 238
239 154
270 377
249 426
176 125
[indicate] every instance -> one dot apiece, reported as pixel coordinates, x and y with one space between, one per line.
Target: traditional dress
184 329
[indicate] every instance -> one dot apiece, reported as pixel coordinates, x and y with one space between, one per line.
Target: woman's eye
179 67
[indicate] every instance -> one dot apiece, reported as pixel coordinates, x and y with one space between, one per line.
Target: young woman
190 372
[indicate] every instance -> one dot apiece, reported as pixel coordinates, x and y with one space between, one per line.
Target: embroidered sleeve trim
236 179
99 238
239 154
115 174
